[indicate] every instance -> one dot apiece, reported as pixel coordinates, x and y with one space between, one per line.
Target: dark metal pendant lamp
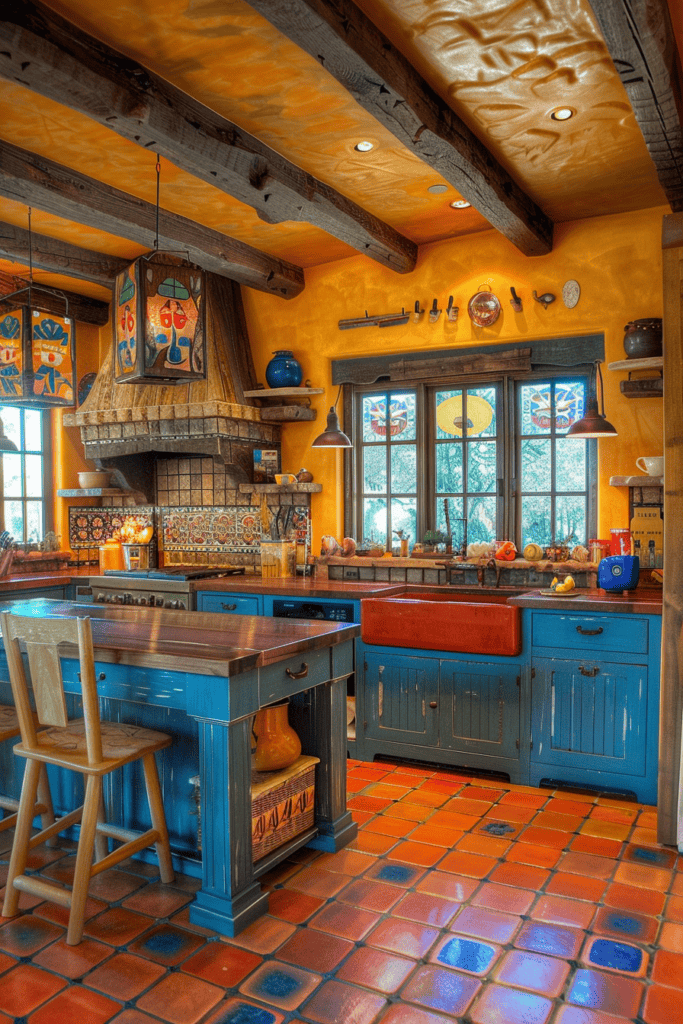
593 422
333 436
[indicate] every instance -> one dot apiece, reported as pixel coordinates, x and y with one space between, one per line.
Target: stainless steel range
152 588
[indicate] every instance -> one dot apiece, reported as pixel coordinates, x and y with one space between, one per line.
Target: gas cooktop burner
177 572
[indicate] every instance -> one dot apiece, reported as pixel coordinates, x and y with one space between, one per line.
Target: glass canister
283 370
620 543
598 549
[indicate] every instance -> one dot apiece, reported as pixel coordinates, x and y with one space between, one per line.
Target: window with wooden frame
26 474
471 459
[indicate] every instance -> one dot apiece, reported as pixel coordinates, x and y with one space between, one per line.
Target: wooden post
670 796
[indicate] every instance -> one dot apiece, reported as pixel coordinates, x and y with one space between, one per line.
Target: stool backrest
41 638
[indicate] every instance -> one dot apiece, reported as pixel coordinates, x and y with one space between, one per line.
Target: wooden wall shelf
280 488
88 492
636 481
294 403
653 363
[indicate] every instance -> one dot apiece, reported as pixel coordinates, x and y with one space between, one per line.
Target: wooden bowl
93 479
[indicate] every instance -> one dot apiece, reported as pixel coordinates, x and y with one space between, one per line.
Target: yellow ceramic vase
277 744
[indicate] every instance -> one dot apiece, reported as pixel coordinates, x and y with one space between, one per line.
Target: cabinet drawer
586 632
297 673
229 604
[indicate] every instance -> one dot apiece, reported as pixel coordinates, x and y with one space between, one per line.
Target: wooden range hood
124 425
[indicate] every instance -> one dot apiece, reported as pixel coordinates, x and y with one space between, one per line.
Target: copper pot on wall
643 338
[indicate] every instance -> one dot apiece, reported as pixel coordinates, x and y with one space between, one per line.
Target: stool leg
156 810
101 841
45 798
22 832
86 842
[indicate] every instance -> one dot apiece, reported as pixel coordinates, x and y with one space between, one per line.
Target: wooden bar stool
9 730
88 746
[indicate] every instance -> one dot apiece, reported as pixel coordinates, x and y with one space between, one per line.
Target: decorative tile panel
91 527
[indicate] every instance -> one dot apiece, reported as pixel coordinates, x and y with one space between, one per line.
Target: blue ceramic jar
283 370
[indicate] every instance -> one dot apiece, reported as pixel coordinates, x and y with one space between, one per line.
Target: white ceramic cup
651 466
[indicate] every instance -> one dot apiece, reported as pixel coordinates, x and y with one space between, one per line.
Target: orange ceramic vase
277 745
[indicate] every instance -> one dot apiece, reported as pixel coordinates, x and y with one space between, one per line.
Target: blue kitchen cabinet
229 604
595 715
479 709
400 696
460 711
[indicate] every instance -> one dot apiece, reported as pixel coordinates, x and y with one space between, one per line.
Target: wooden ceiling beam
37 181
641 42
45 53
53 300
59 257
350 47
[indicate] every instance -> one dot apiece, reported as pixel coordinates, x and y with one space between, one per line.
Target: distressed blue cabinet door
397 697
590 715
479 708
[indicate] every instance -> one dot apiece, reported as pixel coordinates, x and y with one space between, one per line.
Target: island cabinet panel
479 708
230 604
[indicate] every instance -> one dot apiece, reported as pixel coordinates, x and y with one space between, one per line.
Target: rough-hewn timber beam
53 300
59 257
42 51
381 80
58 190
641 42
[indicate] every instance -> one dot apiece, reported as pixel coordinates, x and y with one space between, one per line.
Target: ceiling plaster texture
503 66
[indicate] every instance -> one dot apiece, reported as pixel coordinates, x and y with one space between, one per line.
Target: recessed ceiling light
561 113
437 189
460 204
364 147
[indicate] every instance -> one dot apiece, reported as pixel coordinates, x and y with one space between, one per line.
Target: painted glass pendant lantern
37 358
159 328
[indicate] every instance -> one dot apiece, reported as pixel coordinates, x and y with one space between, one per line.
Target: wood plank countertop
642 601
195 642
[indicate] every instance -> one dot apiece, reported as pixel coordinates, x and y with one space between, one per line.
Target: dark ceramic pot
643 338
283 370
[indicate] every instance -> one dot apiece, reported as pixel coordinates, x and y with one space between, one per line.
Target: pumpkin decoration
506 552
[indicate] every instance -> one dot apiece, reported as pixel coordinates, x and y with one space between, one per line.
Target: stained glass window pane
374 418
481 466
480 412
535 408
449 413
569 403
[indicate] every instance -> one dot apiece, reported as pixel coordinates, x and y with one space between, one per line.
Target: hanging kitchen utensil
515 301
434 312
483 308
544 299
418 313
452 311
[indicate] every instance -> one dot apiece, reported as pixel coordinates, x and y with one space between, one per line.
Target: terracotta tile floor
461 900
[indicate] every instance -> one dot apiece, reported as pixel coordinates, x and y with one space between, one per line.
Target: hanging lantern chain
156 249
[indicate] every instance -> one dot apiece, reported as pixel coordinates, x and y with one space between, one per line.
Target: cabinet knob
432 703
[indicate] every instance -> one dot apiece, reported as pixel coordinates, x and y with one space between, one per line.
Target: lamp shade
332 436
593 424
159 325
37 358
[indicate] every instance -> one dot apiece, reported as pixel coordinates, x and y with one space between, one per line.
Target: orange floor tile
461 900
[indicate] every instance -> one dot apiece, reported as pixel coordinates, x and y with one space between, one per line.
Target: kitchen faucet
491 564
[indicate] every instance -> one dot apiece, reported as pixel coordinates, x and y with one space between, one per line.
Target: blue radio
619 572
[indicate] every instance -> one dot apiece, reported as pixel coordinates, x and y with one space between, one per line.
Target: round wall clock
571 293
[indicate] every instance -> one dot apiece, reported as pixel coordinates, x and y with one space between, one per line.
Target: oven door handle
301 674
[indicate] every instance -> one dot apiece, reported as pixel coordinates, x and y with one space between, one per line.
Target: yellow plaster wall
616 260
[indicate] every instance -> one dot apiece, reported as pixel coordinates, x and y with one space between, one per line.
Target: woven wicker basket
282 804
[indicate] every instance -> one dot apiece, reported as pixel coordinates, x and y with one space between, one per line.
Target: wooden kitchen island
201 678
